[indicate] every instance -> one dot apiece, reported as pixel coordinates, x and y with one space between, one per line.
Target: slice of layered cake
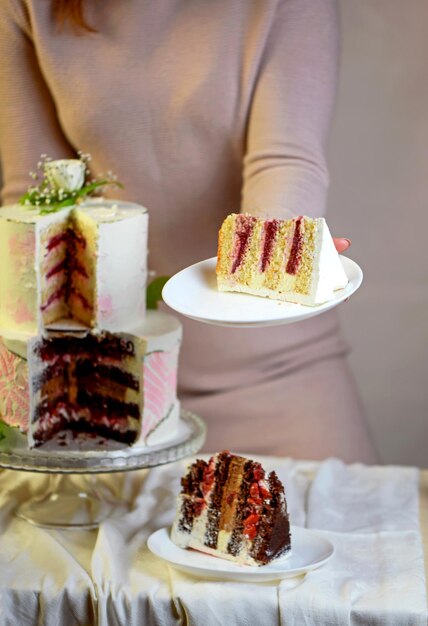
87 383
84 264
293 259
229 508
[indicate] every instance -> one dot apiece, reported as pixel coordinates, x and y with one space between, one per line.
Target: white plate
309 551
193 292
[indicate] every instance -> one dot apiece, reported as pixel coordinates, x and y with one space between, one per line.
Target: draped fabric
108 576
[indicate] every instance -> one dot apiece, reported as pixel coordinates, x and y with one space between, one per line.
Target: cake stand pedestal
64 505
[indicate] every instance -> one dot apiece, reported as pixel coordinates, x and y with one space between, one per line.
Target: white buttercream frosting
328 273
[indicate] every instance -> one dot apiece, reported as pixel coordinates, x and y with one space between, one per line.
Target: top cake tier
84 266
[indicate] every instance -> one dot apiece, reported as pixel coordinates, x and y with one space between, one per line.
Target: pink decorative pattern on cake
160 383
14 395
22 245
21 249
19 311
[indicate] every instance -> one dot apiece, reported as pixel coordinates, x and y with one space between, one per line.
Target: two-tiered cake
80 358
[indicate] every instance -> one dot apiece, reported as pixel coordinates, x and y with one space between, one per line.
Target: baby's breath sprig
62 183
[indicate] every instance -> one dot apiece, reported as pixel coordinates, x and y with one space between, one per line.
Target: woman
199 108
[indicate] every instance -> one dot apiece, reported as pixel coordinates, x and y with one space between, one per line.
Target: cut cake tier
293 259
229 508
89 383
84 264
122 387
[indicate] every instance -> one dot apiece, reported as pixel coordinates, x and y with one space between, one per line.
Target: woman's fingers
341 243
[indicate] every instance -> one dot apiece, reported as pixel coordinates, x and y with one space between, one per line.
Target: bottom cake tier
101 389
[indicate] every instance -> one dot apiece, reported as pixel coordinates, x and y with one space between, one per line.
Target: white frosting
103 210
162 334
30 214
328 273
121 263
165 430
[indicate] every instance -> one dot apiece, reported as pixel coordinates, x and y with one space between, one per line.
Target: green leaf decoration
154 291
88 189
3 429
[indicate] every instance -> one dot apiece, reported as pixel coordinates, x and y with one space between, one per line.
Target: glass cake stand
65 506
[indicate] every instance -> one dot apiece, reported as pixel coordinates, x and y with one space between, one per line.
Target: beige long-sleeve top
201 107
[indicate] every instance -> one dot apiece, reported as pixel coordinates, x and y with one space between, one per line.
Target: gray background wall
379 197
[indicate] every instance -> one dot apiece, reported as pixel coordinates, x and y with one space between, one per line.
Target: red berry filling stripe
57 240
69 265
270 231
295 257
56 295
208 477
258 493
244 229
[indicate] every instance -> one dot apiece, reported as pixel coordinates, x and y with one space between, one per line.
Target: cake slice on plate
229 508
293 259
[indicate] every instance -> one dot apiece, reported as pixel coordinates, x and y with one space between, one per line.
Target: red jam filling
295 257
59 267
56 241
270 228
258 493
198 506
244 230
208 478
84 302
56 295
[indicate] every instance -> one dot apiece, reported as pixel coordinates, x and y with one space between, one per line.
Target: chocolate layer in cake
88 383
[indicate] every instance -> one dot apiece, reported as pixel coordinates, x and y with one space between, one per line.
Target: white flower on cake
63 184
65 174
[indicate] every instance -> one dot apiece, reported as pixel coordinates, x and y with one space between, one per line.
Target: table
77 578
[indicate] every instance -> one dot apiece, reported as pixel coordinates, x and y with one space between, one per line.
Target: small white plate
309 551
193 292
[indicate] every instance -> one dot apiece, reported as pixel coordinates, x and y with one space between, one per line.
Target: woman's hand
341 243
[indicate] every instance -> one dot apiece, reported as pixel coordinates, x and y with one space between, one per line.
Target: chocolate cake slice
228 507
88 383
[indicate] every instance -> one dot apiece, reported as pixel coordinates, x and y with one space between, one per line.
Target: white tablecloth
107 576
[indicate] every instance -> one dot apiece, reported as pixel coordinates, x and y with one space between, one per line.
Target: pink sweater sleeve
285 171
28 120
